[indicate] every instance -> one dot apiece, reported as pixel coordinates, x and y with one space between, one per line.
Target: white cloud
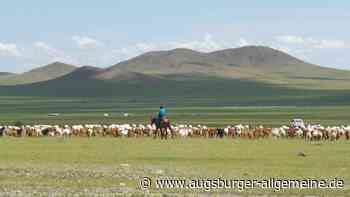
243 42
9 50
41 45
289 39
146 46
324 44
312 42
282 48
85 42
48 49
52 54
331 44
207 44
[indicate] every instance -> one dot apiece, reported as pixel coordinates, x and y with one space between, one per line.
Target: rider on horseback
162 123
162 112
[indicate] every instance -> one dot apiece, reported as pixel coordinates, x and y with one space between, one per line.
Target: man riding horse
162 123
162 113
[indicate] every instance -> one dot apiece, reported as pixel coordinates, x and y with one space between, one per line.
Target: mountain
256 63
254 56
44 73
142 88
251 75
163 62
5 73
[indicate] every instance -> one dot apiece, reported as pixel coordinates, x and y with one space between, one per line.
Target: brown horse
162 125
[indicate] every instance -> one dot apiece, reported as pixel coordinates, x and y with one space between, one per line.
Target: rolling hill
251 75
44 73
254 63
5 73
257 63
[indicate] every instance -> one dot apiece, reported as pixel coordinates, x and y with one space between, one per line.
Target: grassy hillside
44 73
222 91
5 73
244 76
256 63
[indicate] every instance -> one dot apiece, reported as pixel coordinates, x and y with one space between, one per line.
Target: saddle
163 120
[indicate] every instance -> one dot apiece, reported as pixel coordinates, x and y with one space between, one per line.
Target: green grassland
34 110
103 165
116 165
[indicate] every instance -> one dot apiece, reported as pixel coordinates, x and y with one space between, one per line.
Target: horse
163 125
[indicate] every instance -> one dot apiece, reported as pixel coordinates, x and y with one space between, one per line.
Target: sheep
309 132
2 129
276 132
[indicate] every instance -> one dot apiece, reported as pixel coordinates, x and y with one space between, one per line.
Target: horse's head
153 120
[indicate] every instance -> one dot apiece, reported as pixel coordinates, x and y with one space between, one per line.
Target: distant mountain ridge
45 73
252 75
255 56
251 63
180 58
257 63
5 73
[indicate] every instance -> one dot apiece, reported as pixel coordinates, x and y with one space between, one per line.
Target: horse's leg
161 133
155 133
171 131
166 133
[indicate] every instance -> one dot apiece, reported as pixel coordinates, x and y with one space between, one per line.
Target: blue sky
102 33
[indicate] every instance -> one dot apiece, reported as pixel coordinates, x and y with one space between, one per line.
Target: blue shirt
162 113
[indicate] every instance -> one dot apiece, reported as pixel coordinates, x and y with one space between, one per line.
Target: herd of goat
309 132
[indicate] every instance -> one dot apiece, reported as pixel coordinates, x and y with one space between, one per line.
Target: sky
102 33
